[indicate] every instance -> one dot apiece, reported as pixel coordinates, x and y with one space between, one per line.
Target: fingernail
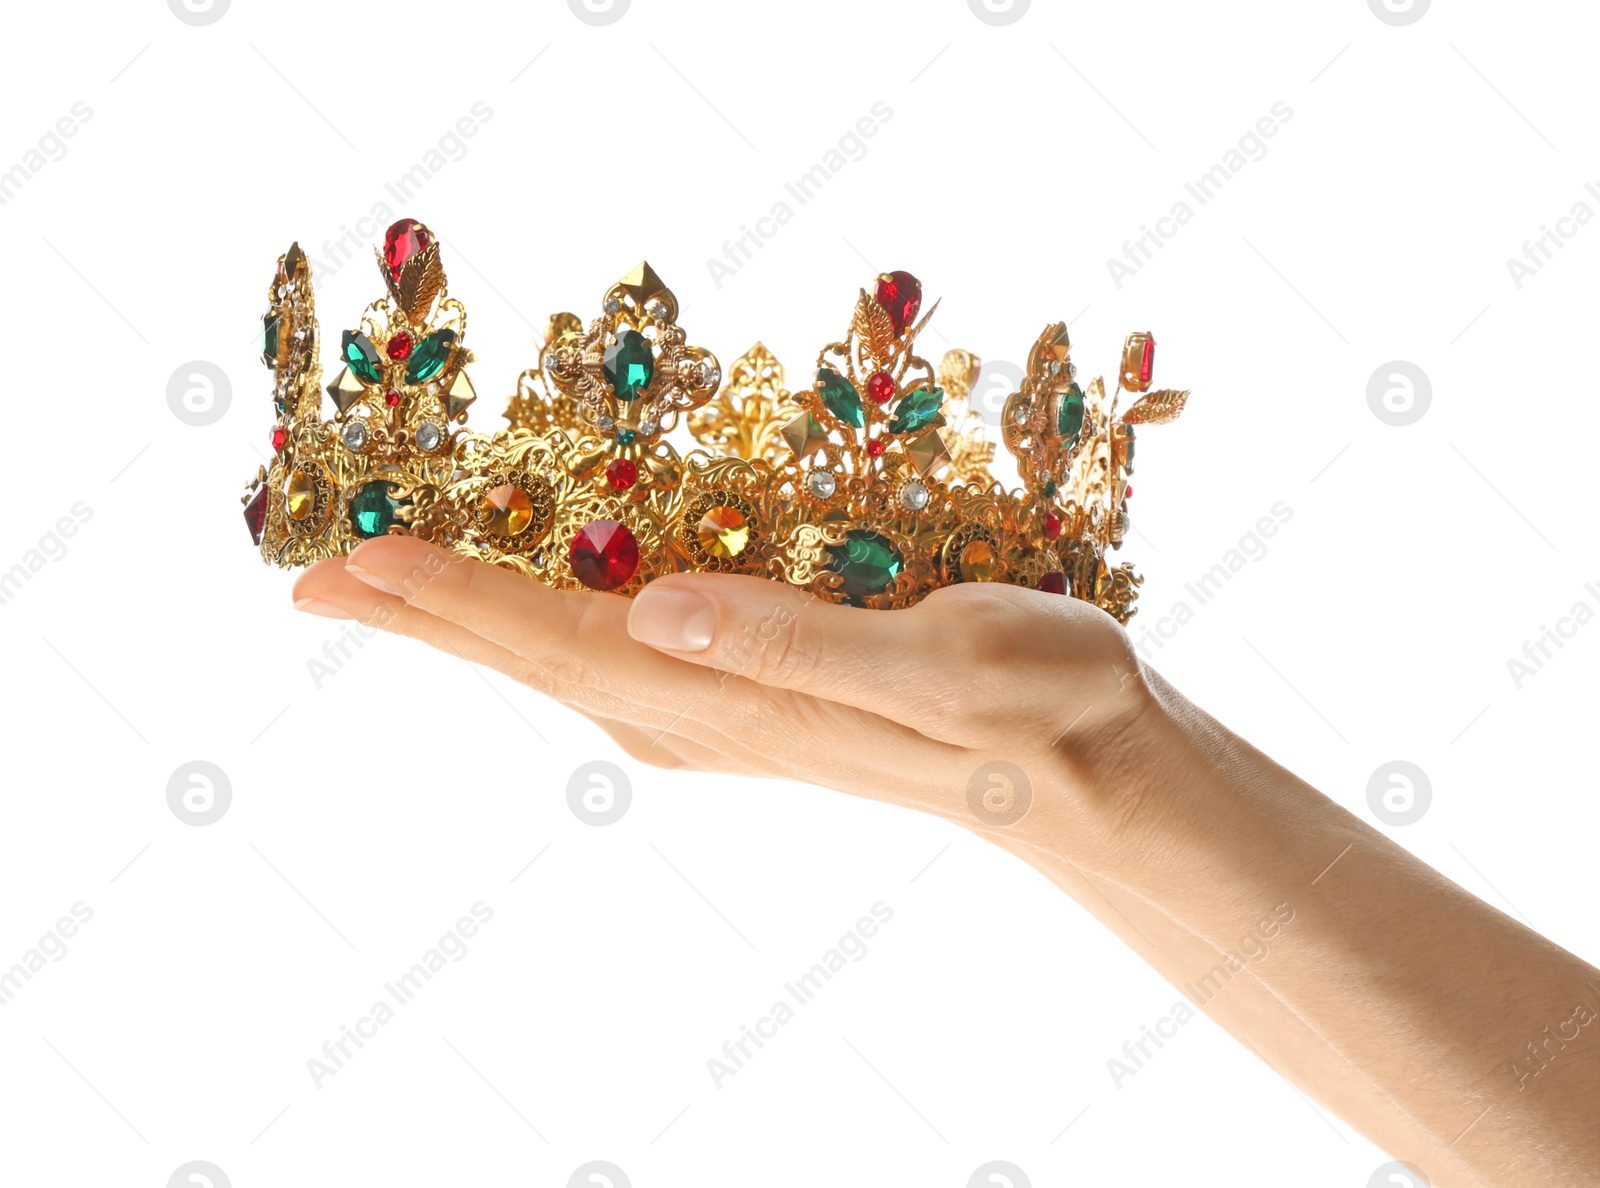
372 579
315 606
674 619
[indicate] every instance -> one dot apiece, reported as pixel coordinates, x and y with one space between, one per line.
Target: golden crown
871 486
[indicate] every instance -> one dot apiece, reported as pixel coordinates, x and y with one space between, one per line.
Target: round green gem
374 510
1050 490
868 561
625 436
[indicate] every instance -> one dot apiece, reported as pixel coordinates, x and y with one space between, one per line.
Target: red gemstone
255 514
1052 525
402 241
399 346
1128 494
1147 361
880 387
900 294
280 438
875 448
622 473
392 399
604 555
1053 583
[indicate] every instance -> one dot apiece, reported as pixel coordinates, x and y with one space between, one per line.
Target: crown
871 486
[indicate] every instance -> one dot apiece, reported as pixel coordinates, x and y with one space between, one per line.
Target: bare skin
1393 996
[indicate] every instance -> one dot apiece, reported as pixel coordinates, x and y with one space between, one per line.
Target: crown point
900 294
345 390
403 240
292 266
642 284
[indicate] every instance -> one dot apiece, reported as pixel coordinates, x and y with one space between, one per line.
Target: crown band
870 487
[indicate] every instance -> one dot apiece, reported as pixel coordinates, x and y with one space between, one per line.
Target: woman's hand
1387 992
1000 708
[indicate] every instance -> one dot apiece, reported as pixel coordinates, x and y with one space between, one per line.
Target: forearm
1372 982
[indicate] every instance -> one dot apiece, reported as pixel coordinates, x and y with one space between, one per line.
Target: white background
372 811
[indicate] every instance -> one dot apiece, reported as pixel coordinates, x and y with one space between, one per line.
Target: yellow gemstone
723 532
977 562
509 509
300 494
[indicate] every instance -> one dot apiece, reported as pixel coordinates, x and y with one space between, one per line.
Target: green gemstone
625 436
1128 466
868 561
361 357
629 365
269 339
841 397
916 410
1050 490
1069 415
374 511
430 356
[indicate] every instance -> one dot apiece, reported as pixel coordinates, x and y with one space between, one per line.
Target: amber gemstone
604 555
977 562
300 495
508 509
723 532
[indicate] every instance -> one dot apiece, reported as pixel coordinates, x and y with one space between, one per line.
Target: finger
574 646
926 666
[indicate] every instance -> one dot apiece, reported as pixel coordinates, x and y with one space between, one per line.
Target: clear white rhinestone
823 484
429 435
1019 415
914 495
355 436
607 424
552 362
433 389
1055 367
710 373
646 428
655 308
613 305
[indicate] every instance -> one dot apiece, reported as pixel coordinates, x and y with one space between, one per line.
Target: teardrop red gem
900 294
403 240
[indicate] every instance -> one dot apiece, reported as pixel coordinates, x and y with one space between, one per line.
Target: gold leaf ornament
1156 408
